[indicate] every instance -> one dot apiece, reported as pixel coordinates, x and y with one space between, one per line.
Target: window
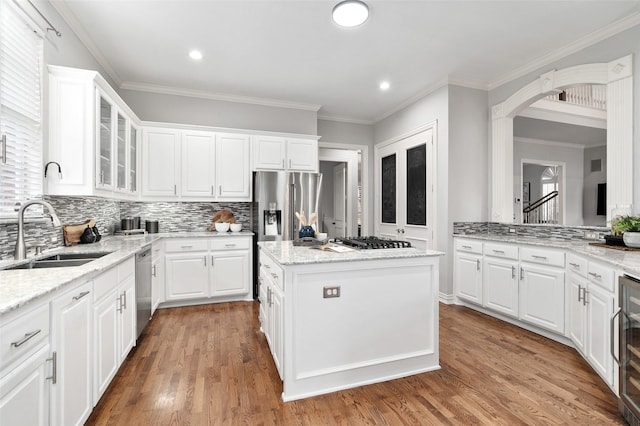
21 57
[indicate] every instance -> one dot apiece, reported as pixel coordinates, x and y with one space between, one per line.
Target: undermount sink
61 260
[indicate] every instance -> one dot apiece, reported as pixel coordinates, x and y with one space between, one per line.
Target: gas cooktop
368 243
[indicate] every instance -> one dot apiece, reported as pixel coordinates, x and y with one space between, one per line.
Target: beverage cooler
628 316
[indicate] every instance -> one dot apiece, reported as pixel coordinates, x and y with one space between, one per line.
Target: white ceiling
291 53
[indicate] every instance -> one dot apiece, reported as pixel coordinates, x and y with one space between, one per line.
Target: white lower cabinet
208 268
157 276
541 296
467 270
26 367
600 308
271 308
500 279
577 320
71 332
24 391
187 275
114 323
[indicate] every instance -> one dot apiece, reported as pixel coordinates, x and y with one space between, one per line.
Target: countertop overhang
627 261
21 286
285 253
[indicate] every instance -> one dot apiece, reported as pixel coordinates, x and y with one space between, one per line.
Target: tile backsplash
172 217
533 231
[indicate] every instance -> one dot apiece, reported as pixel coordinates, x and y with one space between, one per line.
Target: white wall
432 108
208 112
591 181
607 50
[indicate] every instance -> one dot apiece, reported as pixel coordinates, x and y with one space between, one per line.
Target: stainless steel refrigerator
277 197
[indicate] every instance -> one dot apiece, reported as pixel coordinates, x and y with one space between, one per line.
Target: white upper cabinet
198 160
192 165
279 153
160 162
89 136
233 172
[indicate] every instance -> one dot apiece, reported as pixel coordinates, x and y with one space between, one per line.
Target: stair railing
544 210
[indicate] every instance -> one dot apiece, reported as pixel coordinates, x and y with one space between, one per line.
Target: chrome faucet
20 252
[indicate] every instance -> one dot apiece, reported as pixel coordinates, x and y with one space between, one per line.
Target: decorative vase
306 231
631 239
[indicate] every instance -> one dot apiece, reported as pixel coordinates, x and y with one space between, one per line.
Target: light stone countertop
285 253
627 261
21 286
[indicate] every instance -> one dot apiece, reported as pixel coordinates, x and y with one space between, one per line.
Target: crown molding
70 18
343 119
469 84
573 47
176 91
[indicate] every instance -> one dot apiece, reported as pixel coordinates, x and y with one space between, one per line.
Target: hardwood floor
210 364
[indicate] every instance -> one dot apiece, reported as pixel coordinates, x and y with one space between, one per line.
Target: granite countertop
285 253
22 286
627 261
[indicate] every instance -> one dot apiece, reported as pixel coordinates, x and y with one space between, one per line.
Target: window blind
21 57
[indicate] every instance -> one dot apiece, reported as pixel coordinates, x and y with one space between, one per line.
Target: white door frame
432 174
562 181
352 179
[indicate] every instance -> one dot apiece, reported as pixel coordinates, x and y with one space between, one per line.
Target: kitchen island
339 320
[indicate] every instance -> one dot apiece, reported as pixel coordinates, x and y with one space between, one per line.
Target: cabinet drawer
24 334
229 243
469 246
173 246
501 250
104 283
271 268
542 256
577 264
602 275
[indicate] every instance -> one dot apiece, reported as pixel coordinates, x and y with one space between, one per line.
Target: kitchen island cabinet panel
349 319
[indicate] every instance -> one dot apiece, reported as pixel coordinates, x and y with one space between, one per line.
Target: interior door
339 197
405 171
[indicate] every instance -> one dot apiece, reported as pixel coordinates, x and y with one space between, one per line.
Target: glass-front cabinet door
121 153
133 159
104 178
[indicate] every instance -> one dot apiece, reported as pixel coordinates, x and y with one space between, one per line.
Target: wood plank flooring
210 365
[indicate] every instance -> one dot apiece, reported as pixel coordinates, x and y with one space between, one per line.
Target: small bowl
236 227
321 236
222 226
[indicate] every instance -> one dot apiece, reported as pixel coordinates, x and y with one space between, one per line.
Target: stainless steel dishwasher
143 289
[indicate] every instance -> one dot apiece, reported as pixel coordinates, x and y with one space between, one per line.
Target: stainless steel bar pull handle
477 264
539 257
580 298
466 247
575 265
594 275
498 251
522 273
81 295
54 369
513 272
153 271
25 339
124 296
205 261
611 337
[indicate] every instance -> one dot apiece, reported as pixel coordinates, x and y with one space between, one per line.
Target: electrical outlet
328 292
512 230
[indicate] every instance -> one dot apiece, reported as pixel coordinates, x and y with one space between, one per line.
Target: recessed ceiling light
350 13
385 85
196 55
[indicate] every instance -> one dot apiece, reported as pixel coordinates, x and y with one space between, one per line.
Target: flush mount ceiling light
385 85
350 13
196 55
